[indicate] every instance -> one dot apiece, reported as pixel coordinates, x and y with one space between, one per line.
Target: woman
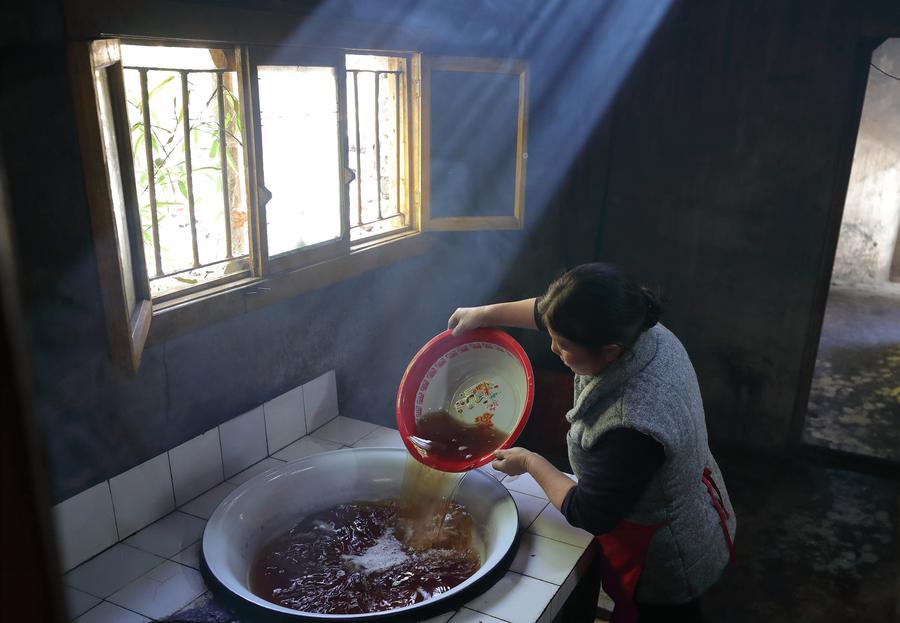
648 485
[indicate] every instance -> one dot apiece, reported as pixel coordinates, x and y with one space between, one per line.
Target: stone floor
854 402
814 545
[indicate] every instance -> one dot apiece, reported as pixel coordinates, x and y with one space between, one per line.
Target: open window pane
476 135
299 119
117 192
474 123
187 140
377 140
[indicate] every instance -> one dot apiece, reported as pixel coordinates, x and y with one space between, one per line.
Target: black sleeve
538 321
619 468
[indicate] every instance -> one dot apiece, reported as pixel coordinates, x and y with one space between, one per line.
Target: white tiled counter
154 572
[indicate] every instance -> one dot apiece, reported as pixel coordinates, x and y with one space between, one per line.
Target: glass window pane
169 57
299 118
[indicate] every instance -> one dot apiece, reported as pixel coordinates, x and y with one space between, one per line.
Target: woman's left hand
512 461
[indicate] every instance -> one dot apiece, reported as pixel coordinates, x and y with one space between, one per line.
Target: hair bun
654 308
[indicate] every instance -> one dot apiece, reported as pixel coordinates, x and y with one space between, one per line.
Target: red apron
625 548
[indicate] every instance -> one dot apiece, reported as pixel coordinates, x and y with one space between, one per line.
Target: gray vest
653 389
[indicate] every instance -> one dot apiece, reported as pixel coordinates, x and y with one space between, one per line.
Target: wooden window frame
409 143
235 62
266 282
127 326
463 64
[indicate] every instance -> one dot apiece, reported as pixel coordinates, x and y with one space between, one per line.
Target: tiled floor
155 572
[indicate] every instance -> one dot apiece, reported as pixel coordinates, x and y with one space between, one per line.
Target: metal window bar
151 173
358 149
223 160
377 147
189 172
151 177
397 139
377 75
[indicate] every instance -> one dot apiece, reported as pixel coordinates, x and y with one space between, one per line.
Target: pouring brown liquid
374 556
440 434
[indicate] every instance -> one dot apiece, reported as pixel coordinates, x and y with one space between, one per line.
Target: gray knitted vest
653 389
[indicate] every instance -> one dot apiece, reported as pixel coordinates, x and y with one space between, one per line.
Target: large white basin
273 502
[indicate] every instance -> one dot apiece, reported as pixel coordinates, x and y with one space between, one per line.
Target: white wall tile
190 555
545 616
381 437
78 602
164 590
254 470
142 495
345 431
320 401
105 574
528 507
85 525
545 559
490 471
524 483
169 535
551 524
515 598
243 441
305 446
470 616
110 613
200 602
285 419
204 505
196 466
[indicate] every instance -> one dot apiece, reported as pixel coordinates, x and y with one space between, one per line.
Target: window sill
182 315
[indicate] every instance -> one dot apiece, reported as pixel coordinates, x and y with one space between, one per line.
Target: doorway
854 402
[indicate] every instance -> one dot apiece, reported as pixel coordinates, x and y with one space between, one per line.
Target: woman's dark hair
598 304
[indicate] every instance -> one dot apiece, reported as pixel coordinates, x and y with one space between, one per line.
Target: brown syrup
440 434
365 557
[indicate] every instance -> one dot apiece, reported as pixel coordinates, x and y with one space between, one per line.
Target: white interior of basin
450 378
271 503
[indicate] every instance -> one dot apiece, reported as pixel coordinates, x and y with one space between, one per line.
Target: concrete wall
712 177
98 422
871 221
724 160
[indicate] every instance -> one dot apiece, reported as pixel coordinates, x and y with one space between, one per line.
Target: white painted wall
869 230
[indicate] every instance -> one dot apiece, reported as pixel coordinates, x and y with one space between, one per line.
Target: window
227 168
377 89
186 140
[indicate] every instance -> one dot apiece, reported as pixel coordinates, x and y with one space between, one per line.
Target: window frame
464 64
410 144
186 294
267 282
127 326
322 251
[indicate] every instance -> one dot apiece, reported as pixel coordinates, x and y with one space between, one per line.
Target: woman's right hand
467 318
